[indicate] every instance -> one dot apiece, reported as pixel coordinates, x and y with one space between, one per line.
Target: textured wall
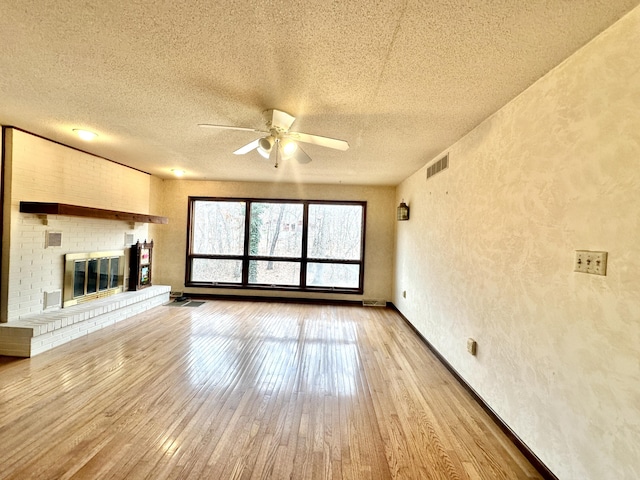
171 242
488 253
42 171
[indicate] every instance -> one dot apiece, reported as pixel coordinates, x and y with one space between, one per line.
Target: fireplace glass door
79 278
92 275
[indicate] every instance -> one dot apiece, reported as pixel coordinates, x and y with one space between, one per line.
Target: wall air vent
52 299
53 239
438 166
374 303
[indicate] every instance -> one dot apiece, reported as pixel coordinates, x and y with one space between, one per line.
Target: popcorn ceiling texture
488 253
400 80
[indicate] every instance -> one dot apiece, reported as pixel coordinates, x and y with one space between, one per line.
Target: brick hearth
32 335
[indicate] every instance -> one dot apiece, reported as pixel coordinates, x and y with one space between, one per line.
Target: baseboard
526 451
257 298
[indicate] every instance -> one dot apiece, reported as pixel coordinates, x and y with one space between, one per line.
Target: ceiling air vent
438 166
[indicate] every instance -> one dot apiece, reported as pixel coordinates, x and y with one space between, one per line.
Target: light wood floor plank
247 390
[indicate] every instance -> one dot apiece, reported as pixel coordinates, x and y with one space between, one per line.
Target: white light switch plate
590 262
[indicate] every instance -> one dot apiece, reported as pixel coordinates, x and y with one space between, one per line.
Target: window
276 244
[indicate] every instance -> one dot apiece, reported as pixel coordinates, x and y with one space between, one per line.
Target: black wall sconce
403 211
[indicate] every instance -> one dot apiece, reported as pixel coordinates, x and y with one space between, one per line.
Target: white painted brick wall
48 172
43 171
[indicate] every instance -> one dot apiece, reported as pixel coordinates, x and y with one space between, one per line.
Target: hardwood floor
247 390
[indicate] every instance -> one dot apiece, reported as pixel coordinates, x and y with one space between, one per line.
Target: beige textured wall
170 242
488 253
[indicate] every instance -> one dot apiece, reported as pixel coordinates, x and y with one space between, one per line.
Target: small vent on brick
438 166
52 299
53 239
128 238
374 303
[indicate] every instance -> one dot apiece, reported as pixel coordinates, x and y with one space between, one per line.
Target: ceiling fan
278 142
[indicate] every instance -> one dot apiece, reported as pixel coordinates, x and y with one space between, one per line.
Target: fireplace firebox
88 276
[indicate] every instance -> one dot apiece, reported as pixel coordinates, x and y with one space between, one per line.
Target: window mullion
334 260
247 239
305 235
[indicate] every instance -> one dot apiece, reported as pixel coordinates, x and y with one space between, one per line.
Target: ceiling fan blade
318 140
279 119
247 148
301 156
229 127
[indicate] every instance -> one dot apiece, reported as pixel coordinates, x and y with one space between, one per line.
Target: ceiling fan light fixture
265 143
289 147
263 153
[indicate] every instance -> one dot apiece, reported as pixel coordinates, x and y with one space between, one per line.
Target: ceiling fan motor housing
278 120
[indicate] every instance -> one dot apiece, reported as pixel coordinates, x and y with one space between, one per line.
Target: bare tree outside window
271 254
218 229
335 232
279 239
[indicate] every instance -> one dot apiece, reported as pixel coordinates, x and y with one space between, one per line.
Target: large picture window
276 244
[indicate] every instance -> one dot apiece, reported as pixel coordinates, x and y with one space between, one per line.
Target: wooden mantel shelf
44 208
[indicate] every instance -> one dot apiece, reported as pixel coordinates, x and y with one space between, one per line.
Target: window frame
245 258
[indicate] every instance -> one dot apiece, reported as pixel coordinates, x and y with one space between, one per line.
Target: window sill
275 288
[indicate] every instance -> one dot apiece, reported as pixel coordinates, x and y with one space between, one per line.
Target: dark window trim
303 260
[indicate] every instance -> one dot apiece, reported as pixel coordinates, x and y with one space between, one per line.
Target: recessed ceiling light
85 134
177 172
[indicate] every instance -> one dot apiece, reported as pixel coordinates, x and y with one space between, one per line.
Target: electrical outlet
590 262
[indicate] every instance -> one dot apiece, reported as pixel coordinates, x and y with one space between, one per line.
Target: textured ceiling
400 80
